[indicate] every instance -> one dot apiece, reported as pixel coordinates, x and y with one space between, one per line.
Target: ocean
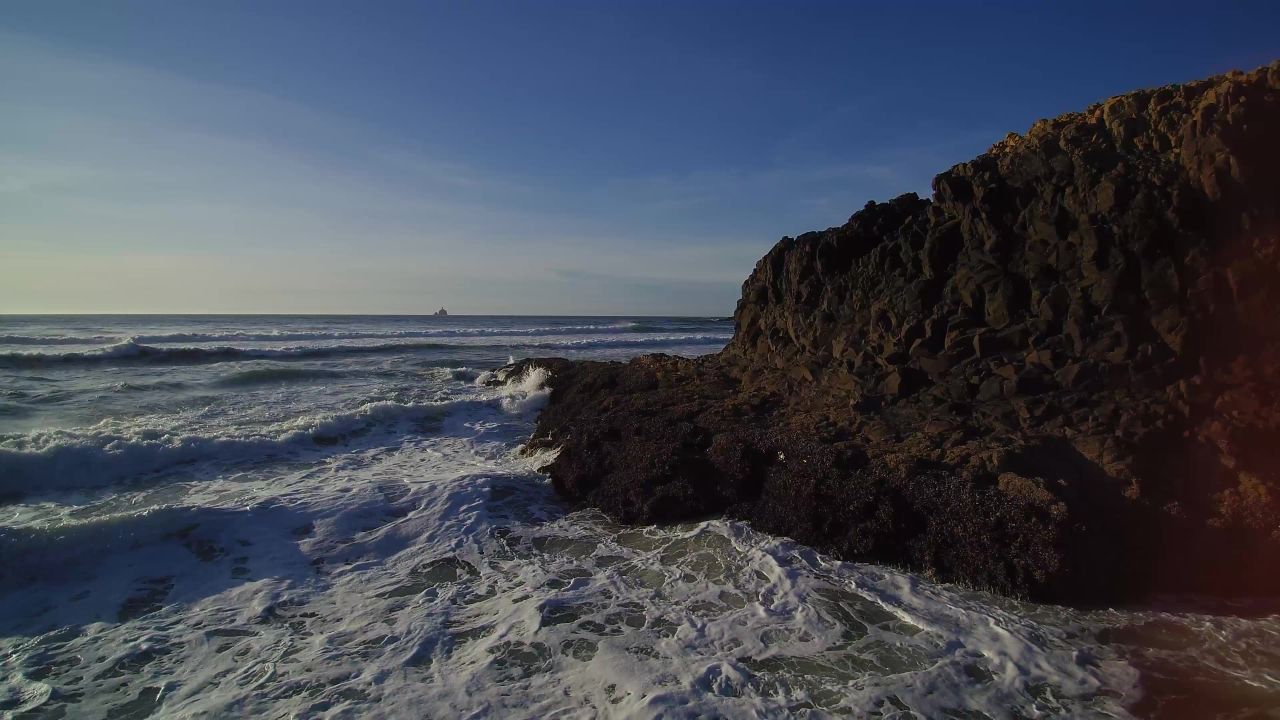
305 516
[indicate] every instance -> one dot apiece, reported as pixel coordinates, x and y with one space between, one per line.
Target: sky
567 157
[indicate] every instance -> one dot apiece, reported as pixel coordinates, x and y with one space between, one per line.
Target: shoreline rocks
1057 379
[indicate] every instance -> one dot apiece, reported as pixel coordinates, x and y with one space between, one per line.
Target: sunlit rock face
1058 378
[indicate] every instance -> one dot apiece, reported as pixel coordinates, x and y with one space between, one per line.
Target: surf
133 352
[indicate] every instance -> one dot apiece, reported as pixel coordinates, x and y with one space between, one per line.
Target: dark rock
1059 378
904 381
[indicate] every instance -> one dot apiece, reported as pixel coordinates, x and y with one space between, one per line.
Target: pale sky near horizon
534 158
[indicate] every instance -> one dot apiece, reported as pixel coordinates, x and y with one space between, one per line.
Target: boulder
1058 378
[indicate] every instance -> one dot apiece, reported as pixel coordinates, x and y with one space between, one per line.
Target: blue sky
515 157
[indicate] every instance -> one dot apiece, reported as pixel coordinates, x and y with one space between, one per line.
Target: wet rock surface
1057 379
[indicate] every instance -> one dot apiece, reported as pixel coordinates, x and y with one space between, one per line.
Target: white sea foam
112 452
59 339
131 351
446 578
290 336
463 373
102 455
662 340
528 392
359 536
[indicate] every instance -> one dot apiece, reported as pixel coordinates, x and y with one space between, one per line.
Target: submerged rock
1059 378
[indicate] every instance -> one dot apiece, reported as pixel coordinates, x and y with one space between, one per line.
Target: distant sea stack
1057 379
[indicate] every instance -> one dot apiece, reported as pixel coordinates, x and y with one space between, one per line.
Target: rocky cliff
1059 378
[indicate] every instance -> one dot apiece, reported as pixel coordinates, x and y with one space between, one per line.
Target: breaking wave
104 455
58 339
390 334
108 453
132 351
197 337
666 340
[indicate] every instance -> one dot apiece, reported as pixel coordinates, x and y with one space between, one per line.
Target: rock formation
1059 378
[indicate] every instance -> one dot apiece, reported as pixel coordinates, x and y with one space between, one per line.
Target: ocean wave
104 454
59 550
388 334
8 409
671 326
260 376
465 374
131 351
107 453
59 339
635 326
129 387
702 339
53 552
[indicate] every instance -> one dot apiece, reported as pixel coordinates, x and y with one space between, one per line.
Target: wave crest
131 351
103 455
106 454
59 339
638 326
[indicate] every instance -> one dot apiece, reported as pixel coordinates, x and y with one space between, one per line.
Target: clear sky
514 157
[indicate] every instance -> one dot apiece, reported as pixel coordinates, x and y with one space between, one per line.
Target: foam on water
372 543
59 339
111 452
132 351
285 335
442 573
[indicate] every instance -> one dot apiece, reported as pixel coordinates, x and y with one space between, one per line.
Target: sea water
301 516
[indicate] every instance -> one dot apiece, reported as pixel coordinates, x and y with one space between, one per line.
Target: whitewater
301 516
